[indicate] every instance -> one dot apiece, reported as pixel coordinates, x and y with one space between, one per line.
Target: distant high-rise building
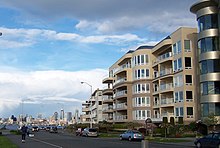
76 115
62 114
55 116
68 116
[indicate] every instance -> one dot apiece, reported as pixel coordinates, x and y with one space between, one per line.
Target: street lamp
90 102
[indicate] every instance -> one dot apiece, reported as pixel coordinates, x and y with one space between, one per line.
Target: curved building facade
208 17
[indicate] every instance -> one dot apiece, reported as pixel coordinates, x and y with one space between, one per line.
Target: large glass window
141 101
179 111
209 66
188 63
141 74
177 48
208 44
210 108
187 45
178 96
189 111
140 60
208 22
210 87
177 65
141 114
188 79
178 81
141 88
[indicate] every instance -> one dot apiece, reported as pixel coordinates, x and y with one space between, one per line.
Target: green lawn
108 135
6 143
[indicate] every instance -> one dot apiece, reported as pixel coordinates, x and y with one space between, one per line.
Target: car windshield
92 130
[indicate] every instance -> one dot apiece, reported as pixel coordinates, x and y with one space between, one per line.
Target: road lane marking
47 143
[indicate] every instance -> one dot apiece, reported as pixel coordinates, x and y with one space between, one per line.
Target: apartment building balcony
166 87
85 109
120 93
167 114
107 90
86 116
167 102
120 118
156 118
107 99
163 58
108 118
120 106
108 80
156 104
120 81
108 109
167 71
122 68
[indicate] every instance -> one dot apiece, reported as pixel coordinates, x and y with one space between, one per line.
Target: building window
141 74
188 63
189 96
179 112
210 108
141 88
187 45
189 112
208 22
178 96
208 44
177 65
141 114
188 79
178 81
141 102
209 66
177 48
210 87
140 60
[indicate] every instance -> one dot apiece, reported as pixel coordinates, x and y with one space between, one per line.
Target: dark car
210 141
35 129
132 135
53 129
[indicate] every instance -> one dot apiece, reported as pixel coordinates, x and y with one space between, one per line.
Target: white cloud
46 87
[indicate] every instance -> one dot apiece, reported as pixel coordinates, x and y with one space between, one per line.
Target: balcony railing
120 106
120 93
122 67
167 101
156 103
167 114
162 57
107 98
166 71
166 86
120 80
120 118
108 108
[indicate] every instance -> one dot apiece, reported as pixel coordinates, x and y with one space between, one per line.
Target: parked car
35 129
132 135
48 128
210 141
90 132
53 129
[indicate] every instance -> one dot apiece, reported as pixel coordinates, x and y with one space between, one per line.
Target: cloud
27 37
110 16
46 87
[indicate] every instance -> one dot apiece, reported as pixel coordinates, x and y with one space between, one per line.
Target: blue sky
48 47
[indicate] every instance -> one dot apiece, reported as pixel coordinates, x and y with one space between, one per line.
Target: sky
48 47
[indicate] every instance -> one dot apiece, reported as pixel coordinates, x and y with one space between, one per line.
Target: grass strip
6 143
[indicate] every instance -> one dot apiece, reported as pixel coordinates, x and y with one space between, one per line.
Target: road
43 139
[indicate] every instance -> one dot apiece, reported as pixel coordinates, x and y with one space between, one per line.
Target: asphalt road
43 139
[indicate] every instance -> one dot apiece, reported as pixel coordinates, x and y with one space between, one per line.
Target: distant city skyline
48 48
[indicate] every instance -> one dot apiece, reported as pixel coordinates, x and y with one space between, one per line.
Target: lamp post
90 102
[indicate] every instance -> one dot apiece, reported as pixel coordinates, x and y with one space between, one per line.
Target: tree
210 120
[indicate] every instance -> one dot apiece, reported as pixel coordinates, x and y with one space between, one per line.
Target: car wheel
121 138
129 139
198 145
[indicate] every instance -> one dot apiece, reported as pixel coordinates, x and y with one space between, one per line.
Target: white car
90 132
